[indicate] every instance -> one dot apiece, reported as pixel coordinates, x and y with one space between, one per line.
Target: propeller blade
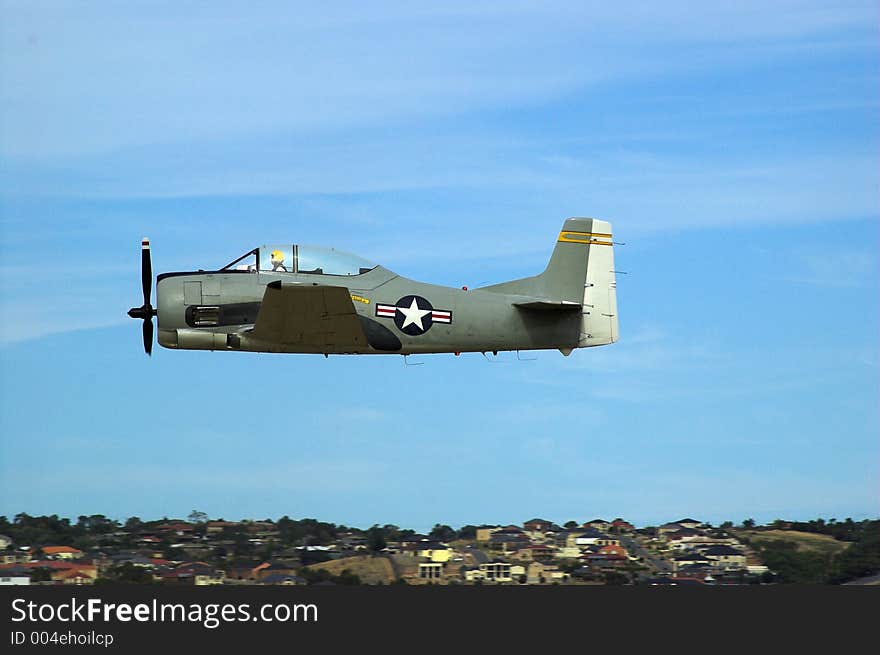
146 270
148 336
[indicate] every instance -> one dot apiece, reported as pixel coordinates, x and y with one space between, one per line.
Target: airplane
301 299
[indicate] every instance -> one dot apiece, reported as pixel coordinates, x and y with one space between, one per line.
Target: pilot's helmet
277 257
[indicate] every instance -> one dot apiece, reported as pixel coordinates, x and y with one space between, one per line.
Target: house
568 538
484 532
242 572
430 570
688 580
80 575
598 524
14 575
5 541
513 530
534 552
569 552
681 535
544 573
726 557
613 549
619 525
61 552
411 540
196 573
587 536
352 542
691 524
496 571
433 550
13 557
518 572
216 527
668 528
267 569
175 529
602 560
538 525
675 582
260 528
135 559
282 579
508 541
690 559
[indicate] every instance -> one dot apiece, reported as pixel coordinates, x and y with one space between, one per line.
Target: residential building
569 552
266 569
537 525
15 575
692 524
196 573
618 525
690 559
496 571
598 524
726 557
430 570
80 575
484 532
282 579
61 552
434 551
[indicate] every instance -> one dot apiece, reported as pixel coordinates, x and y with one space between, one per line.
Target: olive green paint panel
321 317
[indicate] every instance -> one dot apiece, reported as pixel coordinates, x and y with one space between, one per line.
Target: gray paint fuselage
481 320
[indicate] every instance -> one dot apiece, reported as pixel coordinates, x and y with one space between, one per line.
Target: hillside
371 570
807 542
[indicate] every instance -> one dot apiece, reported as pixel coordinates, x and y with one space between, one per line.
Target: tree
95 524
376 539
196 516
615 578
133 524
467 532
748 524
41 575
570 525
128 573
442 533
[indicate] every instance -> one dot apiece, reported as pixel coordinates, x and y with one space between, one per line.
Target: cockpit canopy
292 258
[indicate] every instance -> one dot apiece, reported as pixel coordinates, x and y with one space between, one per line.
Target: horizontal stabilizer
549 305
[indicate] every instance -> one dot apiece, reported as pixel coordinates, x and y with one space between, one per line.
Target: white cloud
80 79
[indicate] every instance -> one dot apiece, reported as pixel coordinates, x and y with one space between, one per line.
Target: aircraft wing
322 317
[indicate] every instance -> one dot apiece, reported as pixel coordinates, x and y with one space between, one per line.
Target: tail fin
581 271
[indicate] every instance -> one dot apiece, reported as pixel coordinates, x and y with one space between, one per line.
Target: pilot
278 262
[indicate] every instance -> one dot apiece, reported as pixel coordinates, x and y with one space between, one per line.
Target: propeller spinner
146 311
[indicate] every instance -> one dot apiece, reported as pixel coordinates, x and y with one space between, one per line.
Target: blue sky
734 147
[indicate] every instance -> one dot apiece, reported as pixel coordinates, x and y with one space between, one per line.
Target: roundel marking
413 315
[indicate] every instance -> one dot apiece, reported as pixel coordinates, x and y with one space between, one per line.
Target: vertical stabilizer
580 272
